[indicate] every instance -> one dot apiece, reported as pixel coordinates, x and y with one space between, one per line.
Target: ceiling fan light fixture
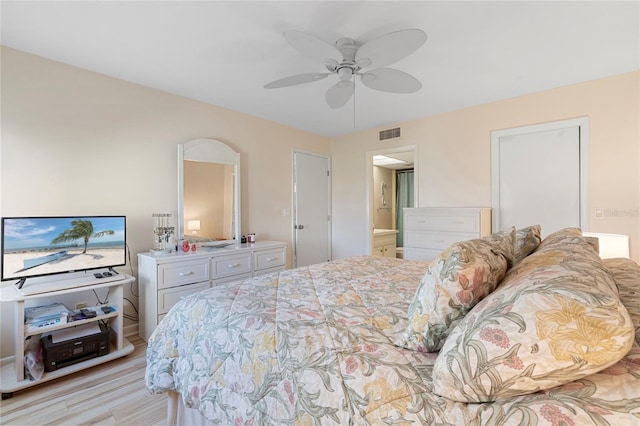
345 73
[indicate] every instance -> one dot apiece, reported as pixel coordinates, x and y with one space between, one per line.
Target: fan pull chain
353 77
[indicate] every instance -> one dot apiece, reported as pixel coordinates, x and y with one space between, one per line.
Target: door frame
294 251
369 185
582 123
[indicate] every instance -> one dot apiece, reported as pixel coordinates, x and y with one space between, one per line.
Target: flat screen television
38 246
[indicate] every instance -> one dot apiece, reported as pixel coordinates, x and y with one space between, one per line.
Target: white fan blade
296 79
389 48
390 80
313 47
340 93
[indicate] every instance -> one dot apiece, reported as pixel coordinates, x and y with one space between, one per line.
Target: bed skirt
179 414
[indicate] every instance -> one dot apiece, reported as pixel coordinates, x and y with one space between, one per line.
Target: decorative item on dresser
165 279
430 230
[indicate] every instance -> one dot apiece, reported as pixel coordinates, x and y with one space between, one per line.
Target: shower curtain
404 198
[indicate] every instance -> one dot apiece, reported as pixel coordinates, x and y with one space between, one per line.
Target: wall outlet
81 305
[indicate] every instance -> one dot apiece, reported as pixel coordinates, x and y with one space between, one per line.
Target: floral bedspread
314 345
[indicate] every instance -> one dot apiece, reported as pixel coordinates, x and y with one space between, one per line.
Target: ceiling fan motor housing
348 66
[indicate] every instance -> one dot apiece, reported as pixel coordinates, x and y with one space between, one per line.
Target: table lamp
193 226
611 245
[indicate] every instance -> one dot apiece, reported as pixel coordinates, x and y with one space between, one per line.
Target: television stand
13 376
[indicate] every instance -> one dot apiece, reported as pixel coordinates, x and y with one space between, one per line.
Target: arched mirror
208 192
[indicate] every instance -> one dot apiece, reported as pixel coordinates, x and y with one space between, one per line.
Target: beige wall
454 157
79 143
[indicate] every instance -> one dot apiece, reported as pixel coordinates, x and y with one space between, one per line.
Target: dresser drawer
169 297
384 240
435 240
270 258
188 272
225 266
434 222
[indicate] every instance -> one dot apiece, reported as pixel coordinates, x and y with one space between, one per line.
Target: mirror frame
209 151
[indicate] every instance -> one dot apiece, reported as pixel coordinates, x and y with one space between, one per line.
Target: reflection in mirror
209 191
208 200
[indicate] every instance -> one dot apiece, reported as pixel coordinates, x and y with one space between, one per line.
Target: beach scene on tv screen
41 246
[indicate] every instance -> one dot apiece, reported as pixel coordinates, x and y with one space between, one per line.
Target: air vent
390 134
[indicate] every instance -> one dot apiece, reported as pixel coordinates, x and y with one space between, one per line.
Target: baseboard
130 330
7 360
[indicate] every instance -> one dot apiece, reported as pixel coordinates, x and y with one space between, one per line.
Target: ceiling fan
347 59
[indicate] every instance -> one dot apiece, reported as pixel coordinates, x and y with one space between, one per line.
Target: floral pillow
555 318
527 240
454 282
559 237
626 273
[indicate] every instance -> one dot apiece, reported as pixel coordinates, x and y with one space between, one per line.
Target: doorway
385 169
311 208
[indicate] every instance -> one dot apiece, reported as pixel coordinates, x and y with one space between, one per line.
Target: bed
357 341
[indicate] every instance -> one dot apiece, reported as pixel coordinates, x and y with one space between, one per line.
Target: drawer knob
439 241
458 222
271 259
233 265
185 274
421 220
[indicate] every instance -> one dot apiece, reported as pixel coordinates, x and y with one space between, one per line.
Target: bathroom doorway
391 186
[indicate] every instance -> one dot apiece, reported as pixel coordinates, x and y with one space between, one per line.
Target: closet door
539 176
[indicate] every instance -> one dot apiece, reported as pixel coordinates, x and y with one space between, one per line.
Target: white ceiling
223 53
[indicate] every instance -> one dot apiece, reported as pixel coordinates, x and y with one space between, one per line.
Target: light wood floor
109 394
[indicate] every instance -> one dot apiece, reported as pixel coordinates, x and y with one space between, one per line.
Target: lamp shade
611 245
193 225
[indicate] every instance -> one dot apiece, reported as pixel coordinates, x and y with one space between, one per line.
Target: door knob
299 226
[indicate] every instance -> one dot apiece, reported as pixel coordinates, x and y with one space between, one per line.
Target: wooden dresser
166 278
430 230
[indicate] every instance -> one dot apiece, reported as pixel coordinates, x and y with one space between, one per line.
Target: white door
312 208
538 176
